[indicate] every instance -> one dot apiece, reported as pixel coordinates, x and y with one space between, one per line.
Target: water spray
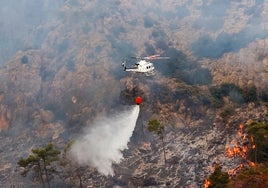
102 143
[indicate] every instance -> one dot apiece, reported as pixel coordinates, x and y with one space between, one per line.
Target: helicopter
143 65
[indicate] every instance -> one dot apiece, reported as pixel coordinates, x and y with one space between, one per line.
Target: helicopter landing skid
151 73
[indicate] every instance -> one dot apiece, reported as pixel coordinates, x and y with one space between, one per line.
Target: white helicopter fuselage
141 66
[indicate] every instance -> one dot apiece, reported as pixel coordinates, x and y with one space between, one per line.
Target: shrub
24 59
218 179
250 94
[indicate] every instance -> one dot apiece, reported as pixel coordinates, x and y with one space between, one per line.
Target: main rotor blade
135 57
157 58
152 56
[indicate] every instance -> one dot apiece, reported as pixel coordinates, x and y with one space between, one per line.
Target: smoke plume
103 143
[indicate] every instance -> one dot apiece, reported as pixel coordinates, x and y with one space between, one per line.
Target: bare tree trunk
164 150
80 177
40 173
256 152
45 167
80 182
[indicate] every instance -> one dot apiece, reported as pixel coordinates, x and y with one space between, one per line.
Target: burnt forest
72 116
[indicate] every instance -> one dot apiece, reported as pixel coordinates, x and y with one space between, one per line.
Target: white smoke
103 143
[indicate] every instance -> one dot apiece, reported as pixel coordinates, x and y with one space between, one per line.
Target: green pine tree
156 127
258 131
40 159
32 162
218 179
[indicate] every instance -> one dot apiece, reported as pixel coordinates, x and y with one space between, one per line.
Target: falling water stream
102 144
